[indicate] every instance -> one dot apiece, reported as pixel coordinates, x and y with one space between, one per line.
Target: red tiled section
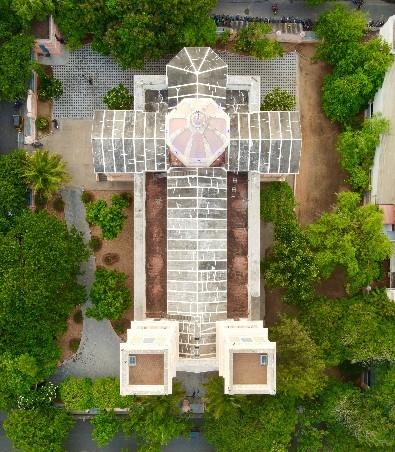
238 245
148 370
247 369
156 244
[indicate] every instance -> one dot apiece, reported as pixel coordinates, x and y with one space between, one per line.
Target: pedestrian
193 394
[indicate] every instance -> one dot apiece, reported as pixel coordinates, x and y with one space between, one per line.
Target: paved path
98 354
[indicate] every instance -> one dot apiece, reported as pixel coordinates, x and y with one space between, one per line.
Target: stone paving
98 354
88 75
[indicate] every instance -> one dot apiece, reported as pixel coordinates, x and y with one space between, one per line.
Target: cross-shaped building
197 147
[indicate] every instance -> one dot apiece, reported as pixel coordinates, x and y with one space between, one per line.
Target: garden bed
122 246
74 331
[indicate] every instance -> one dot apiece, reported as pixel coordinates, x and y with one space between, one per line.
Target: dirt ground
123 246
320 176
237 245
156 244
74 331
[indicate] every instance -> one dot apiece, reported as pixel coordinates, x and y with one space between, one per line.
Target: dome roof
197 131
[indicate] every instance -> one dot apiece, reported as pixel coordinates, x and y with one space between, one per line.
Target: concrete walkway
98 354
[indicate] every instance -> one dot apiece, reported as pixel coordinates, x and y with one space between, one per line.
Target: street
376 9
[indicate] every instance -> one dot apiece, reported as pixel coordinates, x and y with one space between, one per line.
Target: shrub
42 123
109 295
58 204
76 393
120 326
95 243
78 317
118 98
109 218
223 38
42 397
87 196
128 197
106 394
74 343
50 88
278 100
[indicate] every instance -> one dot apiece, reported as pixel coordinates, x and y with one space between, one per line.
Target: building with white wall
197 160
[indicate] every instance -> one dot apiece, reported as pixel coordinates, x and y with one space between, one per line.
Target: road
376 9
80 440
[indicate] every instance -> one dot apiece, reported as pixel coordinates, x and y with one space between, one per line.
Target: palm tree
45 172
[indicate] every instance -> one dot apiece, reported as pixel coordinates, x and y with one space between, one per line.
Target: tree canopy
13 187
40 262
105 426
134 30
299 363
359 66
157 420
357 148
359 329
350 237
39 430
253 40
253 423
339 28
16 66
290 263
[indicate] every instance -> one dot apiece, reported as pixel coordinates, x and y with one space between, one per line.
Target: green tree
27 10
290 263
109 218
46 173
357 148
135 30
339 28
253 40
109 295
105 426
350 237
78 19
260 423
318 426
118 98
344 97
157 420
13 187
76 393
360 329
300 367
17 375
40 430
38 288
106 394
278 100
16 66
219 404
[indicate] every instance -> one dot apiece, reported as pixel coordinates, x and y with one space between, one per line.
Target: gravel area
98 354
